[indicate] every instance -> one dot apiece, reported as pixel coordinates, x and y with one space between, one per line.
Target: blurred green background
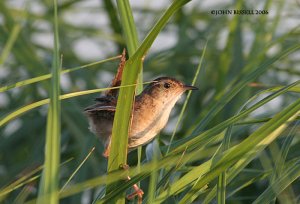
90 31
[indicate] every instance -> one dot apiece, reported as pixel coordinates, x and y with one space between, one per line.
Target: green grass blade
235 170
233 48
25 179
12 38
222 180
187 98
238 87
281 159
130 34
48 76
241 166
49 184
147 42
133 171
77 169
128 25
220 189
254 144
152 187
251 176
280 184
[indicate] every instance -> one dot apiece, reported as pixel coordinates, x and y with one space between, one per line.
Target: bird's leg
107 149
137 191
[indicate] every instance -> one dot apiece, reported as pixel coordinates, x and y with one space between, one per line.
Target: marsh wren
151 110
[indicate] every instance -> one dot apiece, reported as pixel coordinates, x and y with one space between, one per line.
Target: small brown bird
150 113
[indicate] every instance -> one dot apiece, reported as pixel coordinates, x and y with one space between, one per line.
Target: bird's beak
188 87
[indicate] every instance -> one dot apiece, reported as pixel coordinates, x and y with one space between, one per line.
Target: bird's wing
99 107
99 113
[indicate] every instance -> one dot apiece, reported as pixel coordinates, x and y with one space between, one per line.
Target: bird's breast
148 120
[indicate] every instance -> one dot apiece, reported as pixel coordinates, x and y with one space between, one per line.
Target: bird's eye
167 85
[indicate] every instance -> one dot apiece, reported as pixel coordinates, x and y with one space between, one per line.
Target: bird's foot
137 190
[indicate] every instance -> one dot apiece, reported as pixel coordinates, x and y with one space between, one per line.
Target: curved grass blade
27 178
281 183
187 98
227 137
236 169
34 105
226 97
250 147
77 169
117 175
48 76
10 42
